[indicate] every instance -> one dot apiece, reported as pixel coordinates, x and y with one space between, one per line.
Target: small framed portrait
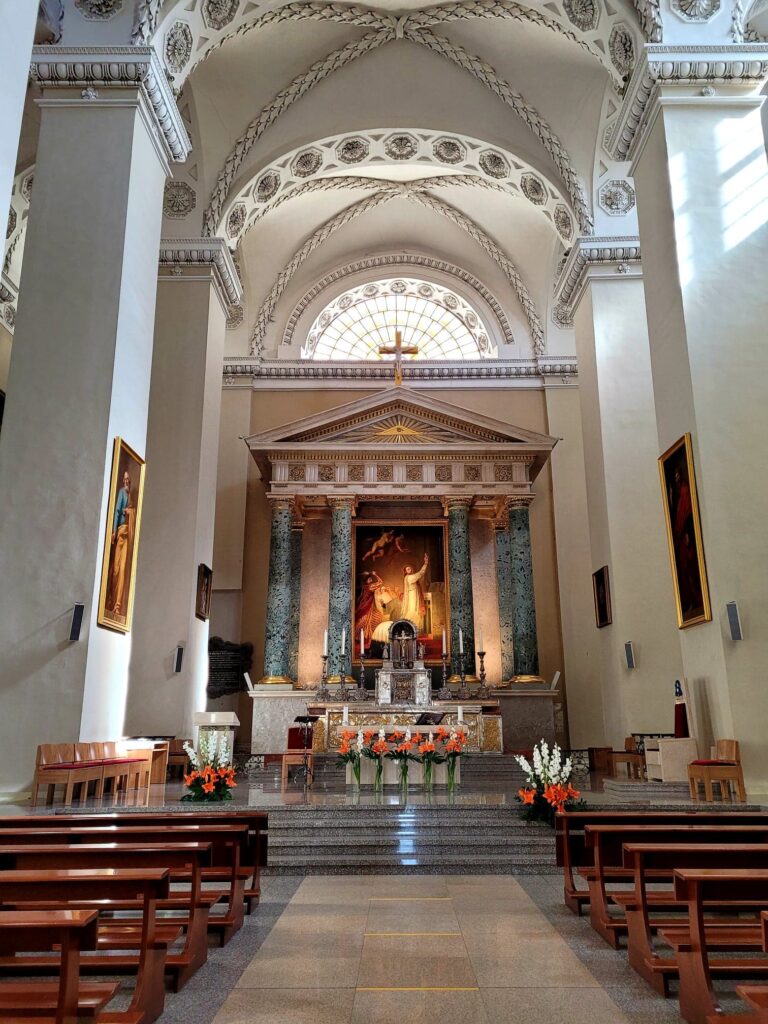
601 589
204 587
686 549
121 541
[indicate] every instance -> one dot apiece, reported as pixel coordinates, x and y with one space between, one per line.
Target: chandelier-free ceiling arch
465 159
387 191
362 320
473 65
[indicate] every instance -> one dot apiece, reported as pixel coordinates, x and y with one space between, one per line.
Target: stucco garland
389 191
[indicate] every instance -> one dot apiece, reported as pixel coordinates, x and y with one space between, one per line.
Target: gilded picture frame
203 592
409 541
601 591
684 539
121 539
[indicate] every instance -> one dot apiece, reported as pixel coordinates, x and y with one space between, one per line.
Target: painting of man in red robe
684 533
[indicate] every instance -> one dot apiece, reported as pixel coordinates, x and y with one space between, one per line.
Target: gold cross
398 350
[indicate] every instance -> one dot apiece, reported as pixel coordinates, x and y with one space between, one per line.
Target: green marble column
525 644
297 538
340 596
460 582
506 603
277 631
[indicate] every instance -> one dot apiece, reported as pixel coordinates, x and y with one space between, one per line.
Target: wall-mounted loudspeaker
734 620
178 658
76 623
629 654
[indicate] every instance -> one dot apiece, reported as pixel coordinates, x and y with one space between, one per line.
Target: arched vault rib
416 192
478 68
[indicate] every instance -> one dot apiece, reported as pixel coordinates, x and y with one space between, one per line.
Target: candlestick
361 692
444 693
323 693
483 692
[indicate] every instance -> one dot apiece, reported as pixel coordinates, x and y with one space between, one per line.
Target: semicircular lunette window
434 320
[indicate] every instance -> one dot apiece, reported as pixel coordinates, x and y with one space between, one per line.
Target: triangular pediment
401 417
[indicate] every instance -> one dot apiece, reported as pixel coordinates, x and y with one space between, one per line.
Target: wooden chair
294 755
631 757
114 767
724 768
177 756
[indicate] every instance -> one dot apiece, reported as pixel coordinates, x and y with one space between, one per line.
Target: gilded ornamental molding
204 252
90 68
739 64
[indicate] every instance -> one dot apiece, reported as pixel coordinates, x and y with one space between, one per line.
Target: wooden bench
695 942
186 862
149 885
572 851
609 866
255 855
69 999
649 858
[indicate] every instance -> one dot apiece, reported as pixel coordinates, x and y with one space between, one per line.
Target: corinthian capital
518 501
282 502
342 501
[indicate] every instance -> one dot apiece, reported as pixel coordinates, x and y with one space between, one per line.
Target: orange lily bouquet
212 775
401 752
430 757
548 788
350 750
454 748
376 750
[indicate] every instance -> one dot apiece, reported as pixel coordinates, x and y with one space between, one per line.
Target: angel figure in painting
379 546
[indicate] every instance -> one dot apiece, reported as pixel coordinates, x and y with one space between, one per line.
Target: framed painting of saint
400 572
203 593
602 592
686 550
121 542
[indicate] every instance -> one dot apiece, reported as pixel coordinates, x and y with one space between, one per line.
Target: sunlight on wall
678 180
744 176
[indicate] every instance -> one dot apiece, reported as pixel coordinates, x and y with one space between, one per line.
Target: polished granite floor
383 949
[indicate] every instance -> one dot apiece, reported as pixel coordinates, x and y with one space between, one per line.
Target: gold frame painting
121 539
392 555
683 522
603 614
203 592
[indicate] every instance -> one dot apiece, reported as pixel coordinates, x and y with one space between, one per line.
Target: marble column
524 642
17 29
279 592
506 602
460 583
80 376
297 542
197 283
700 169
340 595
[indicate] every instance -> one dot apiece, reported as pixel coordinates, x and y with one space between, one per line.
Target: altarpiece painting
400 573
121 544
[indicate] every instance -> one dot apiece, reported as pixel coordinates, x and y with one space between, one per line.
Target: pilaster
297 544
460 583
340 594
277 632
524 641
505 588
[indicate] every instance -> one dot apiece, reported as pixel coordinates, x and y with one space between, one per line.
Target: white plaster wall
581 653
313 607
17 29
179 507
702 181
79 375
233 462
485 595
6 340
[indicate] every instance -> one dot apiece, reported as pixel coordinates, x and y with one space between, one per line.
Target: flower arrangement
401 752
375 750
548 788
349 751
430 756
454 748
212 777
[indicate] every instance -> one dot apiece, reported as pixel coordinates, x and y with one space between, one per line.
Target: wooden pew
231 845
185 860
647 858
69 999
105 884
607 844
572 851
755 996
695 942
257 822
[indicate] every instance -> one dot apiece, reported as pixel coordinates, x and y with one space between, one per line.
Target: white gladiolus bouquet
212 749
212 774
548 788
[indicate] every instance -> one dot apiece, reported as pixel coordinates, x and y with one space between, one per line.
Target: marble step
364 820
472 864
408 847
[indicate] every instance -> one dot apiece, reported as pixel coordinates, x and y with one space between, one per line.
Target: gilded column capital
518 501
277 502
342 501
457 501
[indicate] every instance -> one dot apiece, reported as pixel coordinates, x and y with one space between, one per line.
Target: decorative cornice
119 67
618 253
204 252
243 372
7 289
742 64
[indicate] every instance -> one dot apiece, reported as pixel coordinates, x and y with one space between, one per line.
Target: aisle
381 949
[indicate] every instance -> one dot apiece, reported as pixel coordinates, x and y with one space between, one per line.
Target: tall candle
362 642
345 715
344 640
460 715
445 642
481 648
461 641
325 641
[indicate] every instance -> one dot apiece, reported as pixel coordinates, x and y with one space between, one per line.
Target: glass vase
428 776
378 779
451 771
356 772
404 775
